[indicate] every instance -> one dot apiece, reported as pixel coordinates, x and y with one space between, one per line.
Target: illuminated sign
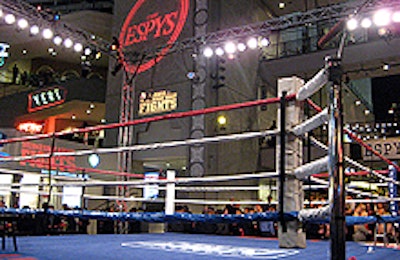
157 102
3 53
59 163
161 29
46 98
389 148
150 191
30 127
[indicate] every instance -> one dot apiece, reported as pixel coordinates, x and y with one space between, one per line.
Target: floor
177 246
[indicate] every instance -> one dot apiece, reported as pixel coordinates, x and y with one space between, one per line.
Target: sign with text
157 102
389 148
45 98
152 23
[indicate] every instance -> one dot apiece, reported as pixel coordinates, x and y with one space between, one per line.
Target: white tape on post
170 193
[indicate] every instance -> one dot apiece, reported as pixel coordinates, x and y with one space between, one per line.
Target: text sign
389 148
46 98
150 21
157 102
3 50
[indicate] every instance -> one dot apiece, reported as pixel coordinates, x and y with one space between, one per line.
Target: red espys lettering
165 28
61 163
158 26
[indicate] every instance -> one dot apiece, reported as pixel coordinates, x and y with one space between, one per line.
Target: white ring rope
357 164
144 147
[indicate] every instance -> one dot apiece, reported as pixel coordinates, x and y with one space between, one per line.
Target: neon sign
163 29
30 127
157 102
46 98
3 53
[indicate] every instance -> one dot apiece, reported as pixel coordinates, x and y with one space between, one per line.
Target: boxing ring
291 214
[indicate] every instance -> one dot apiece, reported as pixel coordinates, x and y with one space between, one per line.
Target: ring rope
143 147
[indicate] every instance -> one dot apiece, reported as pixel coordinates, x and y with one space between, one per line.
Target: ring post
335 162
292 191
170 193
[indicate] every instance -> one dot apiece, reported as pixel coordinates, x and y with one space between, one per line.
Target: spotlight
34 30
22 23
396 17
87 51
208 52
241 47
56 17
366 23
367 112
264 42
98 55
252 43
352 24
115 44
9 19
382 18
358 102
50 50
386 67
78 47
191 75
47 33
219 51
57 40
68 43
230 47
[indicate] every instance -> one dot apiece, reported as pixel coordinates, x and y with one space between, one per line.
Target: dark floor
176 246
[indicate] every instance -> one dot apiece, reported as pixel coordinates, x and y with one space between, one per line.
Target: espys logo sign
145 25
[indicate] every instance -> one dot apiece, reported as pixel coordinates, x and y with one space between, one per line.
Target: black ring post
282 160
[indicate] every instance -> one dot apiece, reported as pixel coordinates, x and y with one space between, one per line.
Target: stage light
396 17
230 47
366 23
208 52
88 51
367 112
281 5
221 120
352 24
386 67
56 17
98 55
252 43
47 33
68 43
241 47
78 47
382 18
22 23
34 30
57 40
9 19
219 51
50 50
264 42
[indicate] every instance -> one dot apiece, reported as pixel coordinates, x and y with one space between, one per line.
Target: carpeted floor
176 246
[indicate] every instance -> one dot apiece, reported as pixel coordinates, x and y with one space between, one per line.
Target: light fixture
91 105
281 5
103 121
219 51
252 43
9 19
34 30
22 23
241 47
88 111
57 40
396 17
352 24
264 42
50 50
358 102
73 117
381 18
87 51
208 52
24 51
47 33
221 120
366 23
230 47
78 47
367 112
386 67
68 43
98 55
1 13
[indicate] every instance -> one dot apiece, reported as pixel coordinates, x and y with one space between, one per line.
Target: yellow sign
157 102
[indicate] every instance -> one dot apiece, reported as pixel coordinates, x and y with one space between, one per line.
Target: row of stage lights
231 47
47 33
381 18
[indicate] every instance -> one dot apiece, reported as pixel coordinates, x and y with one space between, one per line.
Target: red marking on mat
16 257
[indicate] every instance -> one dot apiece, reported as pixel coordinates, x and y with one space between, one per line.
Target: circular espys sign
152 23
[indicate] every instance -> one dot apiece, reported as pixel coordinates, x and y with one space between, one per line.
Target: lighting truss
329 13
43 19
